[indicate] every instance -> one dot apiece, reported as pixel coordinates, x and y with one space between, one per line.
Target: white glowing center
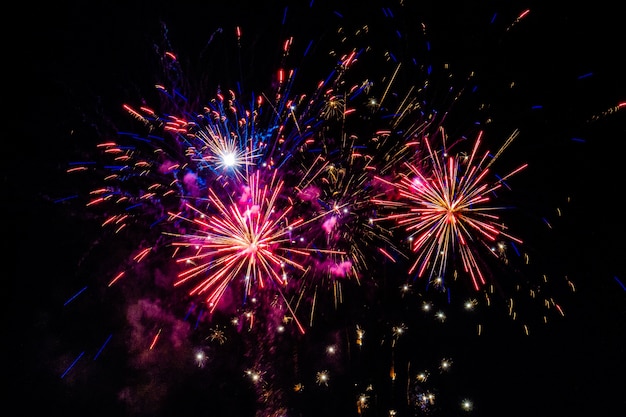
229 159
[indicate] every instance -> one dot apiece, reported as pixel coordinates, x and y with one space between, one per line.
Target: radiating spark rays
444 206
225 138
250 240
224 153
252 236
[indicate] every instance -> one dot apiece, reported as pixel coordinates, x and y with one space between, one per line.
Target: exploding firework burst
255 239
445 206
252 237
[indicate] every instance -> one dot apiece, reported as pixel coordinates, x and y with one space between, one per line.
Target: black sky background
83 60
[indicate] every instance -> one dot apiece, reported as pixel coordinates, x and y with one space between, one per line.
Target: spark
441 316
470 304
445 365
399 330
360 334
422 376
218 335
254 375
467 405
200 358
322 378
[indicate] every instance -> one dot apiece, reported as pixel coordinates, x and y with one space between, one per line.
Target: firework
184 162
243 194
444 204
254 238
267 205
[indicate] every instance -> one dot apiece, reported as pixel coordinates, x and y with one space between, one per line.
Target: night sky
556 75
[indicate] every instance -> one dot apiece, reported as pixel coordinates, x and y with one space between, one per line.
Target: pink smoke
342 269
329 224
309 194
245 194
191 182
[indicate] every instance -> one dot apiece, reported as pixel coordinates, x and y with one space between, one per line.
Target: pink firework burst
444 203
250 238
250 241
